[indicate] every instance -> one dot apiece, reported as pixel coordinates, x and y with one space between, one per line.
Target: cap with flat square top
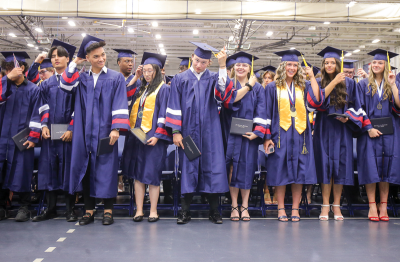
203 50
243 57
331 52
69 48
267 68
289 55
125 53
185 61
153 58
19 55
46 63
380 54
314 68
348 63
86 42
230 61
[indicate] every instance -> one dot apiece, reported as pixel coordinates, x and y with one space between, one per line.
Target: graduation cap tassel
388 58
341 68
252 65
189 63
305 151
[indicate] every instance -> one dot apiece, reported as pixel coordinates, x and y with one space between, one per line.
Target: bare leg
245 202
139 197
280 196
309 193
371 190
267 196
296 195
234 195
337 193
154 192
326 193
383 193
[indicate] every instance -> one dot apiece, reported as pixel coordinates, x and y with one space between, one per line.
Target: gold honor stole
148 110
284 110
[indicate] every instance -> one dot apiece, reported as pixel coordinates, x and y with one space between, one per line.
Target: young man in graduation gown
192 110
17 100
53 108
184 65
101 111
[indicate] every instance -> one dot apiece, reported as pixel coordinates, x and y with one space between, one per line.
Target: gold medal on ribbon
140 114
293 112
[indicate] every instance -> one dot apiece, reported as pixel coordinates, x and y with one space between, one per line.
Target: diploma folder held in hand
383 124
240 126
57 130
104 146
190 148
21 138
140 134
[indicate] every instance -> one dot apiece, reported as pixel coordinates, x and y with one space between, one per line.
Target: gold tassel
279 142
305 151
252 66
189 63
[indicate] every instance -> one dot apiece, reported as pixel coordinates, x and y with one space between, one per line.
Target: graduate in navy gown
125 61
40 70
145 162
348 68
242 150
55 107
184 64
193 110
17 100
333 135
377 154
289 131
100 111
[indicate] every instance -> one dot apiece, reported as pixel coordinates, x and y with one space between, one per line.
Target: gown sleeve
162 132
358 114
224 92
312 102
174 111
269 97
120 114
131 92
71 123
33 73
70 78
5 89
34 124
396 110
260 114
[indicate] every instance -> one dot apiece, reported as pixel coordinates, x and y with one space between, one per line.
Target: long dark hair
153 84
338 94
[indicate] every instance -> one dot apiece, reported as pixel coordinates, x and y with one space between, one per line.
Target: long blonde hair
233 74
372 87
280 78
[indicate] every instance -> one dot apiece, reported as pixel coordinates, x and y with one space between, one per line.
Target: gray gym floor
355 239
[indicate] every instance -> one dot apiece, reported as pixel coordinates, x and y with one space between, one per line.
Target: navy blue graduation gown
242 153
54 106
193 110
378 159
16 110
287 165
398 77
143 162
98 110
333 140
33 73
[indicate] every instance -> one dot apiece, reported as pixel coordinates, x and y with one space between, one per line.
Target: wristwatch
369 130
116 129
249 86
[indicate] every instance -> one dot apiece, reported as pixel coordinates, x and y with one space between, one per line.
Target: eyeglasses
42 72
148 72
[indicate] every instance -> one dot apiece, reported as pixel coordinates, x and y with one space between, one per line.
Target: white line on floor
71 231
77 224
50 249
61 239
38 260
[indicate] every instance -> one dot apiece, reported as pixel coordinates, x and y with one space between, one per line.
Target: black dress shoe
3 214
183 217
153 219
71 216
23 214
86 219
108 219
46 215
215 217
138 219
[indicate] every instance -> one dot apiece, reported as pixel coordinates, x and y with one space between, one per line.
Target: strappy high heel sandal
373 219
235 219
245 219
281 218
324 218
384 218
337 218
295 217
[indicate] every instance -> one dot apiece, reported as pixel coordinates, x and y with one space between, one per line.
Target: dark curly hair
8 66
339 93
95 46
